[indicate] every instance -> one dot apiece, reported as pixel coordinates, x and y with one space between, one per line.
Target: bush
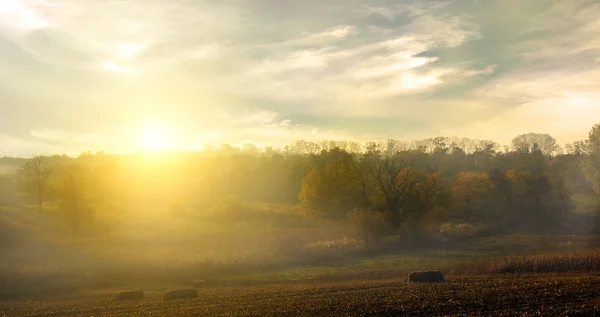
232 210
369 226
459 230
332 250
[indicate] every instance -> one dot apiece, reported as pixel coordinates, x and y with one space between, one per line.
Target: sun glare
154 139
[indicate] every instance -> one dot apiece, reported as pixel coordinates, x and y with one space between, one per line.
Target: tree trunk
40 199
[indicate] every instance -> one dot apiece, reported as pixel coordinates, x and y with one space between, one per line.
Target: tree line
404 183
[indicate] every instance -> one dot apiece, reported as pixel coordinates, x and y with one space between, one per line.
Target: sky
120 75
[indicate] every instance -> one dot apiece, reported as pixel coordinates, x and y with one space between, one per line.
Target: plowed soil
497 295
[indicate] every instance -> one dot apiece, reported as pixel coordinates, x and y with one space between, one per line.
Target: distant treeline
404 183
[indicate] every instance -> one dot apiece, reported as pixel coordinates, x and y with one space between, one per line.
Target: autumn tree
310 193
74 192
538 198
84 186
467 192
427 193
499 204
330 191
591 163
394 179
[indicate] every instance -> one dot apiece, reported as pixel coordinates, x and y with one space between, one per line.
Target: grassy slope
586 203
461 258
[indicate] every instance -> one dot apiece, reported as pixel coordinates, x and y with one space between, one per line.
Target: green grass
473 257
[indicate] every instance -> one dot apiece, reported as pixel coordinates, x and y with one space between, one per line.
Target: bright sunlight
257 158
154 138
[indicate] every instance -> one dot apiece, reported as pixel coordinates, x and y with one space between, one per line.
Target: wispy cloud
287 70
556 89
363 68
411 9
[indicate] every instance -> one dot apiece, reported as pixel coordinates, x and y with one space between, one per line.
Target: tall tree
467 193
591 163
77 191
393 181
530 142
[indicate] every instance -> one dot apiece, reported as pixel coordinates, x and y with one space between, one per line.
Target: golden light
155 138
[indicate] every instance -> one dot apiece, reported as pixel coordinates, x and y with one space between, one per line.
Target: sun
154 139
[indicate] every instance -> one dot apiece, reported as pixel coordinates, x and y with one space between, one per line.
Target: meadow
167 249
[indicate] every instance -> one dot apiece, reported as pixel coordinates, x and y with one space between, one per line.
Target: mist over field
310 211
340 157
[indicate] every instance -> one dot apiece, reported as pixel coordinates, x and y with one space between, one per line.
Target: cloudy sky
113 75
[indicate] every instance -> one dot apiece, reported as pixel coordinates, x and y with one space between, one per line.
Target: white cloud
193 60
118 31
369 68
268 127
556 89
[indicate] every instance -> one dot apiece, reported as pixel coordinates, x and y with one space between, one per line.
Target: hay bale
181 294
425 277
129 295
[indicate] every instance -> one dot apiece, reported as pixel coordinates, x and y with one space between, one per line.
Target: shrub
332 250
459 230
369 226
231 210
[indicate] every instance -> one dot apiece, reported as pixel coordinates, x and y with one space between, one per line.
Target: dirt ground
499 295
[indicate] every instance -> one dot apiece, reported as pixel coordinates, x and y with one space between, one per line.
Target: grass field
586 203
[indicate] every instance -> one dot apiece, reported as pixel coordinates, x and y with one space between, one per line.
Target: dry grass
150 247
586 262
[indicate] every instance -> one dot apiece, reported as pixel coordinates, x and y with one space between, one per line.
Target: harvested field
532 294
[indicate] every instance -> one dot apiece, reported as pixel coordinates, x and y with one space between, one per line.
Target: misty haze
299 158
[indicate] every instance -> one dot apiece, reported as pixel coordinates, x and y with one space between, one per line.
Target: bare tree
37 173
394 179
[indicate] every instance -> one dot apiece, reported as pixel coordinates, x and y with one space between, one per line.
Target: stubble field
501 295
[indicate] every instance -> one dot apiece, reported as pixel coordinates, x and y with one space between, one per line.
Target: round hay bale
425 277
180 294
129 295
